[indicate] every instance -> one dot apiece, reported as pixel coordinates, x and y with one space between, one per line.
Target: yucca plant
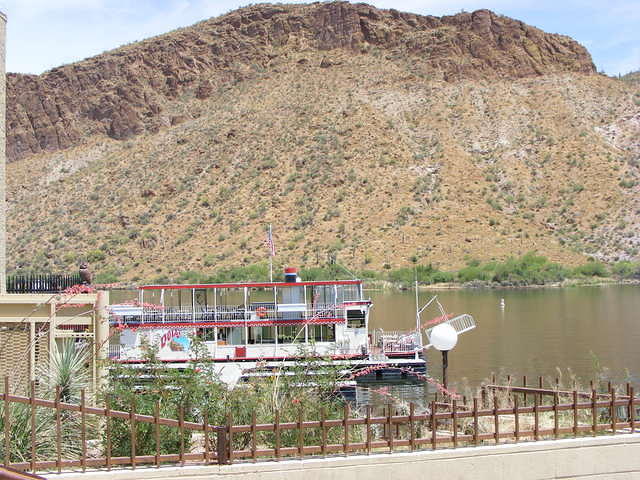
67 370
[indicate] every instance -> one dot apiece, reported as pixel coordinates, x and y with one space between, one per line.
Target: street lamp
444 337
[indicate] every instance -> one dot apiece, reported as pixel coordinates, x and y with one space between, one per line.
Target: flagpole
270 256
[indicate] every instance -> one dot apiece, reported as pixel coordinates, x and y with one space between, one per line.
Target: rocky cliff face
125 92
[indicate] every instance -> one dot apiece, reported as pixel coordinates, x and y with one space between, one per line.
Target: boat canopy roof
249 285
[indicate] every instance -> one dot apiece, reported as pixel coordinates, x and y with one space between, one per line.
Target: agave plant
67 370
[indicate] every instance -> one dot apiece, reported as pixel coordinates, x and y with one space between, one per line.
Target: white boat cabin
244 321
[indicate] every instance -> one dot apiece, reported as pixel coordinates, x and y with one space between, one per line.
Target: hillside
365 134
632 78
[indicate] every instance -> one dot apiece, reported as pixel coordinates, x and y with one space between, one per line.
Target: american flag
268 242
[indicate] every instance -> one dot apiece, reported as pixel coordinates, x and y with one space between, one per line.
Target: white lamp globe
443 337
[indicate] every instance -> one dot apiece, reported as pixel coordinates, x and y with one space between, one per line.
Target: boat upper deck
235 304
263 285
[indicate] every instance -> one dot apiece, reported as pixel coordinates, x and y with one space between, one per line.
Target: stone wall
605 457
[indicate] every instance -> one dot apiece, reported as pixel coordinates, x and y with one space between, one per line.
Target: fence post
433 425
496 418
594 413
516 419
614 412
132 425
389 428
368 424
221 445
345 445
536 417
277 430
83 430
32 401
524 384
632 411
454 422
108 431
540 385
412 433
181 429
575 413
300 434
555 414
156 428
476 440
230 438
253 436
323 416
58 431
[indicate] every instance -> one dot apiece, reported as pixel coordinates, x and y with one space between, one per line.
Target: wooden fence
41 283
500 414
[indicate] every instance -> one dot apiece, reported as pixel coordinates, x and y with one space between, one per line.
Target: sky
42 34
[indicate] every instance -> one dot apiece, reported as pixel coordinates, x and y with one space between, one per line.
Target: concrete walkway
606 457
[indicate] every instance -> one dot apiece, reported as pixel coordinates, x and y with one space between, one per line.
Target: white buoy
502 303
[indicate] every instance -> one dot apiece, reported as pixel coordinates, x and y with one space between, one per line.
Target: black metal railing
46 283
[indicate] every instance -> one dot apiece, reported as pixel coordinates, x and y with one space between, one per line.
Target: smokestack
3 159
290 275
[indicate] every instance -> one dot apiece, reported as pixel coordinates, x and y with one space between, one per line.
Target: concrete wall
610 458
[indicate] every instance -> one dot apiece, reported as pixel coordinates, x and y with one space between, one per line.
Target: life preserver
261 312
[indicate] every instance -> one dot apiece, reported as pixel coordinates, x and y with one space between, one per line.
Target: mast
270 255
418 333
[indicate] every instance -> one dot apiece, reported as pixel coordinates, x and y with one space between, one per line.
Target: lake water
538 332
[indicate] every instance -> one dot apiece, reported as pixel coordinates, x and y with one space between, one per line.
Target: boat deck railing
396 341
224 313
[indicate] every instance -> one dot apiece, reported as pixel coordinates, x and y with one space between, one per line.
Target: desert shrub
591 269
425 274
196 392
95 256
626 269
107 276
529 269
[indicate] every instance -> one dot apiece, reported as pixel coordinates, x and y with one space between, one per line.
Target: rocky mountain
122 93
371 135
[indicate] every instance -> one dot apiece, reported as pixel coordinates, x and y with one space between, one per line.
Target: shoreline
601 282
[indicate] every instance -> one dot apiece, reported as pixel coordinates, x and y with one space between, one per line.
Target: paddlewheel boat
259 325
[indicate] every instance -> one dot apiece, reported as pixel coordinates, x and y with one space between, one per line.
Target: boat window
258 335
231 336
322 333
290 334
291 295
231 296
355 318
200 298
323 295
207 334
348 293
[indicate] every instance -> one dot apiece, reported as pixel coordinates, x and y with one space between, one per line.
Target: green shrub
108 276
626 269
95 256
591 269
